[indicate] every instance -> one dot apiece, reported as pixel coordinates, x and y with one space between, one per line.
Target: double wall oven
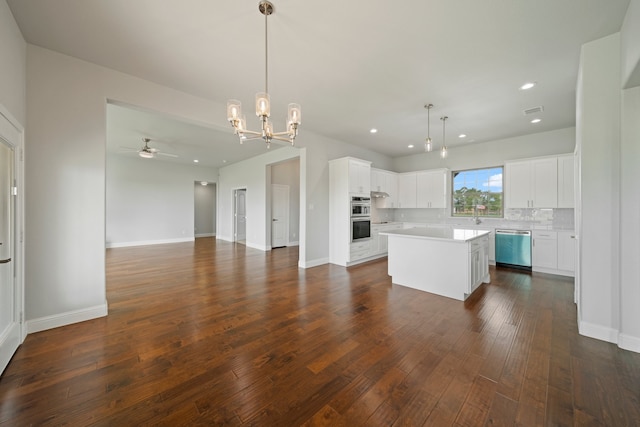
360 218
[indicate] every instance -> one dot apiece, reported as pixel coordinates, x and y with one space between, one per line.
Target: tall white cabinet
348 177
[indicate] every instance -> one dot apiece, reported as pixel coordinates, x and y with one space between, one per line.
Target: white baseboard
629 342
206 235
149 242
293 244
68 318
259 247
598 332
313 262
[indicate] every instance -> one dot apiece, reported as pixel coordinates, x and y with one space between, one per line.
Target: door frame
12 132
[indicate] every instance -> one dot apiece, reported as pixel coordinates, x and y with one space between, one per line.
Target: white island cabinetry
450 262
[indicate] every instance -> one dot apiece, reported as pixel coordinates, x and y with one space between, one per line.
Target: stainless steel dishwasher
513 248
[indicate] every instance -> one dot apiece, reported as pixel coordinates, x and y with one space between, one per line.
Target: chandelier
263 107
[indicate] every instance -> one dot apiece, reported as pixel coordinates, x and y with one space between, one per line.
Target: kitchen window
477 192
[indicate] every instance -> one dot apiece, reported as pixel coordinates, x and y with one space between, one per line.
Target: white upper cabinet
387 182
532 183
359 177
565 181
431 189
407 185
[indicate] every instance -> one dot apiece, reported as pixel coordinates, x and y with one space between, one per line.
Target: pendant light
263 107
428 144
443 152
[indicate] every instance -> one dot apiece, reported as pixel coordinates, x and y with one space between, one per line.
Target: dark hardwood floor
214 333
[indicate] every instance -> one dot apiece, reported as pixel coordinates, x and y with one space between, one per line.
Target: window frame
452 192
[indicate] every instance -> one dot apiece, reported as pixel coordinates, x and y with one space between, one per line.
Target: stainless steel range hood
379 194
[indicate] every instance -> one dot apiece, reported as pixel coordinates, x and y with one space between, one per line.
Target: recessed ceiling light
195 161
410 146
536 120
374 130
527 86
462 135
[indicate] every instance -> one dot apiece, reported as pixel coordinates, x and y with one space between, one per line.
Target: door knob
274 219
4 261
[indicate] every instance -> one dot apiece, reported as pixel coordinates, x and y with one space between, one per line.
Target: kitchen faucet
476 217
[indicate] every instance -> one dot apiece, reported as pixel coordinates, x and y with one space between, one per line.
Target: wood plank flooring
214 333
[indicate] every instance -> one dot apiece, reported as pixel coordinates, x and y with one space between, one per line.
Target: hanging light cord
266 52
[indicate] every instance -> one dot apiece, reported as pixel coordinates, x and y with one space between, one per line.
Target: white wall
630 222
205 209
288 173
13 67
598 123
494 153
629 36
151 201
65 174
252 175
315 152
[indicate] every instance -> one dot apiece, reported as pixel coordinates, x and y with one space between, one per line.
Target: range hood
379 194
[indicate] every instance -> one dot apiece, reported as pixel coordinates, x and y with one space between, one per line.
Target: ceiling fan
147 152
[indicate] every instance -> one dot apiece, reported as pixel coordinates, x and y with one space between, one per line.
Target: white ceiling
352 65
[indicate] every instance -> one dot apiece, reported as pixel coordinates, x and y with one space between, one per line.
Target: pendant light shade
428 144
444 151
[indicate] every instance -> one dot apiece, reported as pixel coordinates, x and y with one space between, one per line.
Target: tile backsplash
552 219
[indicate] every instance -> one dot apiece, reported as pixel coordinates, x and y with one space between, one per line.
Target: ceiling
352 65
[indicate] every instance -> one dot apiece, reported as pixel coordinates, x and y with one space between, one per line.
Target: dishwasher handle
515 232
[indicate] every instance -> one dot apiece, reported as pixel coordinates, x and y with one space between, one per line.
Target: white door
279 215
9 316
240 215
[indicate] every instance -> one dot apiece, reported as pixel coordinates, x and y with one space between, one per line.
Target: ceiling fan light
145 154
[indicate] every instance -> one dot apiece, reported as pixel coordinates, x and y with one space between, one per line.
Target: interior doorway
204 221
10 286
240 215
279 215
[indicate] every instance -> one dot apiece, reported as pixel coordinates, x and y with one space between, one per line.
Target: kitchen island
451 262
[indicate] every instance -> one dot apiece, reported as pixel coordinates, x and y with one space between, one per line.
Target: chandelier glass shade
263 104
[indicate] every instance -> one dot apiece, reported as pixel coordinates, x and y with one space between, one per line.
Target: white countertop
451 234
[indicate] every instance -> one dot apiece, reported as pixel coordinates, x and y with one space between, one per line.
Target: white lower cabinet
544 249
360 250
566 251
553 252
380 244
478 262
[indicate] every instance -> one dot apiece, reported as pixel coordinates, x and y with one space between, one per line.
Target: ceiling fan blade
166 154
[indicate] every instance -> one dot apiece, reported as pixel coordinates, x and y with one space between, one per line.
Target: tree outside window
477 192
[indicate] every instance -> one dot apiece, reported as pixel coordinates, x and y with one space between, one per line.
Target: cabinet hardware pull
4 261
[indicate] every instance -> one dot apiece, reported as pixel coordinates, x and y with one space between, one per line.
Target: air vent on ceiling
533 110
